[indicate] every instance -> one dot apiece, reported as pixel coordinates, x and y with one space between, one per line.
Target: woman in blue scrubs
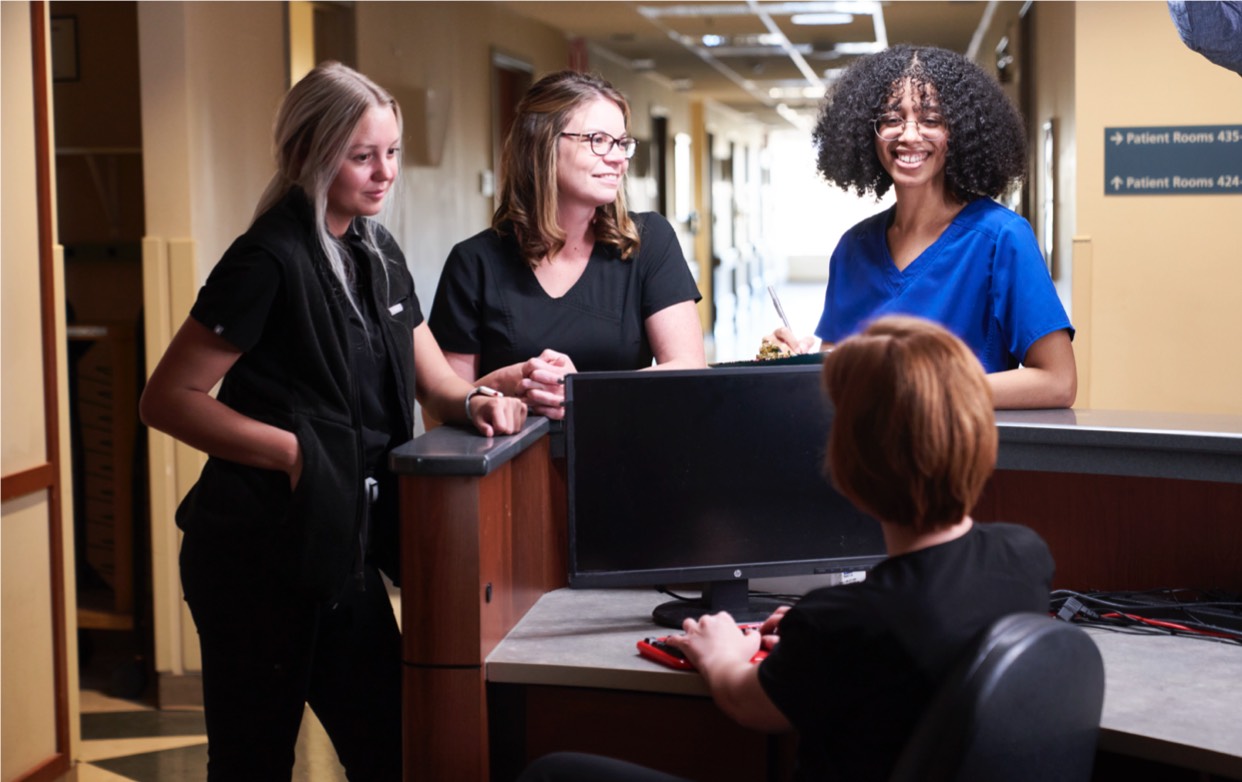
940 132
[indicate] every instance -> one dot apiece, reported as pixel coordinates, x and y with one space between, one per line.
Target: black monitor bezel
740 571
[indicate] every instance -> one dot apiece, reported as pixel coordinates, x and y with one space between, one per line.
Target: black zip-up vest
298 377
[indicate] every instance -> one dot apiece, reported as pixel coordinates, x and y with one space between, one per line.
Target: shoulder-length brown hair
914 438
528 197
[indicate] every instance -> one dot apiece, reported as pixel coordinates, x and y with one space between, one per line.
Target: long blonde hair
313 128
528 195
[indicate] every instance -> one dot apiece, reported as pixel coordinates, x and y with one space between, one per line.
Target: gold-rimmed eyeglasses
602 143
890 126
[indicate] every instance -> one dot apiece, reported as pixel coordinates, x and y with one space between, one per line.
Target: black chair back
1024 705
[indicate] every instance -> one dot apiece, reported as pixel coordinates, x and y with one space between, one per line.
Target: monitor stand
732 596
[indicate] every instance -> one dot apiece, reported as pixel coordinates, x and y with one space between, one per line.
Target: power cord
1167 611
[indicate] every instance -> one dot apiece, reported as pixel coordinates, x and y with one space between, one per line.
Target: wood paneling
445 724
1114 533
38 478
477 553
51 336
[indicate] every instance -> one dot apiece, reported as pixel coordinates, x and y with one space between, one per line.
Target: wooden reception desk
1126 500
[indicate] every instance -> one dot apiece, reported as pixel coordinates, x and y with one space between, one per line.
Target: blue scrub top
984 279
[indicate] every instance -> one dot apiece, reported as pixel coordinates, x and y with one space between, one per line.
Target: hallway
128 740
739 340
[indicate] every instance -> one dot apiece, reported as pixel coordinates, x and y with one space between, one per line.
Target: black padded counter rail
452 450
1184 446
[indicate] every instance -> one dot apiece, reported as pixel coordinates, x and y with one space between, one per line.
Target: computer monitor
710 476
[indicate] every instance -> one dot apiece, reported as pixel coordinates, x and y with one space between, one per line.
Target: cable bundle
1186 612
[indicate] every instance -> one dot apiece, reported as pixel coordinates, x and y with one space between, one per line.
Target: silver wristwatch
477 391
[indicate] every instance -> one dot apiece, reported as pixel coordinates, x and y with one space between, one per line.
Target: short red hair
914 438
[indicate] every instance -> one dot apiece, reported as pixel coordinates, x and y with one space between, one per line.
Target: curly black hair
986 153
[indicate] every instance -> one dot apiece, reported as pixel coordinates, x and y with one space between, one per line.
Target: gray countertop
1185 446
1144 422
454 450
1105 442
1174 700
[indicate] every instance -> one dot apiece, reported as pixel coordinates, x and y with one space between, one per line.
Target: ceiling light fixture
773 41
821 20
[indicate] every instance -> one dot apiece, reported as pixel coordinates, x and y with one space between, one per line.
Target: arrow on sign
1116 183
1117 138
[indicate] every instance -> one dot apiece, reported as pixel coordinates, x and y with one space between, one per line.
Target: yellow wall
1164 273
301 39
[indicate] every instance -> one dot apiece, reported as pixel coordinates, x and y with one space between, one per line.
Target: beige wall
446 48
649 98
27 708
1053 98
1163 272
212 75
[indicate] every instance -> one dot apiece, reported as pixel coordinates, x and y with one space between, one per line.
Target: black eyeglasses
890 126
602 143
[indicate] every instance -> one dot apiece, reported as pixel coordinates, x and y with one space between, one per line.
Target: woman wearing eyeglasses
566 279
935 128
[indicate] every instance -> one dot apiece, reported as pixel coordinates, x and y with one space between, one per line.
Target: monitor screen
710 476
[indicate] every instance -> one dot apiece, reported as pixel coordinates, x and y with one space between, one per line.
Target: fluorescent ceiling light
821 19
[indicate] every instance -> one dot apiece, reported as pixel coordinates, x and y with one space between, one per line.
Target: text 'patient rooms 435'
1173 160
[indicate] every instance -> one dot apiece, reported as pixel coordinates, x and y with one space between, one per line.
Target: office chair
1024 705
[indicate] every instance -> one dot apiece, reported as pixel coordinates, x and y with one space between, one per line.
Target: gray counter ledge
452 450
1184 446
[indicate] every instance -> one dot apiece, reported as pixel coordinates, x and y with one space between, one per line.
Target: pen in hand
781 311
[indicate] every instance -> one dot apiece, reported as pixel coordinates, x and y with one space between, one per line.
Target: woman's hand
715 644
493 415
295 472
784 338
543 383
722 652
769 630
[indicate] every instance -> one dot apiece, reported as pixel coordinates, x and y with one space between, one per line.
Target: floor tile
95 751
134 724
85 772
185 764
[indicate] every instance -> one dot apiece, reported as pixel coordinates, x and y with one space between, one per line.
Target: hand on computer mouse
714 643
770 628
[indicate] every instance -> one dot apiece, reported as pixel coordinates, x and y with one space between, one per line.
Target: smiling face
367 171
583 178
910 159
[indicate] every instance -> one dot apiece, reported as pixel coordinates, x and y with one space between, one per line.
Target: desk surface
1173 700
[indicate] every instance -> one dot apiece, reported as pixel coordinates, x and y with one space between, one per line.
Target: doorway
99 186
511 78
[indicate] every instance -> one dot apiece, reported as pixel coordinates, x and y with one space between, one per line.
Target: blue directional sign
1173 160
